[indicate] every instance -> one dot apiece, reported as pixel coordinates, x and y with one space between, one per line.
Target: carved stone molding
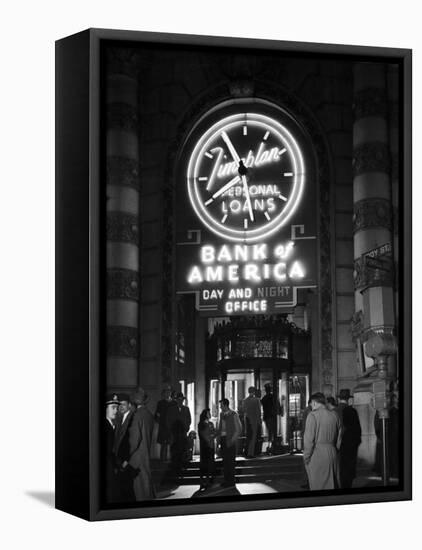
370 213
122 116
122 227
123 171
370 102
367 277
356 325
122 342
371 157
123 284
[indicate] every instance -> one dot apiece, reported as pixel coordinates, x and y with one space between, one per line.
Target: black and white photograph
210 307
253 212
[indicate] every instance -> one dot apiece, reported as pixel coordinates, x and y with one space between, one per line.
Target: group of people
332 435
174 420
227 434
251 408
230 429
129 428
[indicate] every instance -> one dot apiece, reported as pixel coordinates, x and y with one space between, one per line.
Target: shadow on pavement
216 490
45 497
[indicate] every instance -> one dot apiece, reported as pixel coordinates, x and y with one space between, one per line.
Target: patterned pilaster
373 211
122 224
373 323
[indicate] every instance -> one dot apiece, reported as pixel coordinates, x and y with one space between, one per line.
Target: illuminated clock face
246 177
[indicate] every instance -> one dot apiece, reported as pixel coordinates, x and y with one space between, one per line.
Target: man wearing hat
251 406
112 407
178 423
229 430
351 439
140 438
122 451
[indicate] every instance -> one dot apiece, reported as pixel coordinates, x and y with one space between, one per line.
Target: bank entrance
271 354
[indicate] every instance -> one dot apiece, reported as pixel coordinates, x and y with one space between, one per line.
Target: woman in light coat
322 441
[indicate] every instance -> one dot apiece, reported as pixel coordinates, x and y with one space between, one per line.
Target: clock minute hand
242 171
232 150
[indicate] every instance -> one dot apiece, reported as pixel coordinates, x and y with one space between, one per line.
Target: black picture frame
80 247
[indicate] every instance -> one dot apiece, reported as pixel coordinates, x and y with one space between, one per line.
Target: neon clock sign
246 177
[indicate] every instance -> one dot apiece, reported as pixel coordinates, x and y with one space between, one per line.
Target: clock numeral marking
209 155
267 133
245 130
281 197
245 223
224 218
288 174
203 179
267 215
281 152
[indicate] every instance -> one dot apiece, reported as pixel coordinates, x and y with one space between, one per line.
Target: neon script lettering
253 159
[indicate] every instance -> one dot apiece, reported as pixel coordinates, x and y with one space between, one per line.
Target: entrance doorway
270 354
291 396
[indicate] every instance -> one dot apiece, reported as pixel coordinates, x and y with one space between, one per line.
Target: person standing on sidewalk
206 434
321 443
271 408
122 451
229 430
163 436
351 439
111 409
252 408
140 438
178 423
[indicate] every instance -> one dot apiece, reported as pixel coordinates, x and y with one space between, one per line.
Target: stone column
374 299
122 188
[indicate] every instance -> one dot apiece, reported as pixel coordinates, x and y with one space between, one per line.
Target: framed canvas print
233 274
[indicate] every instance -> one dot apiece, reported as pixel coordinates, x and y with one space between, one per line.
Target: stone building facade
349 110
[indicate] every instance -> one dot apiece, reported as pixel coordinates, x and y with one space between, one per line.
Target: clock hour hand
248 197
223 189
232 150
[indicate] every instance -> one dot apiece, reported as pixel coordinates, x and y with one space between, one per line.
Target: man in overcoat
122 451
229 430
251 406
161 417
178 424
322 440
271 409
351 439
140 437
112 405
